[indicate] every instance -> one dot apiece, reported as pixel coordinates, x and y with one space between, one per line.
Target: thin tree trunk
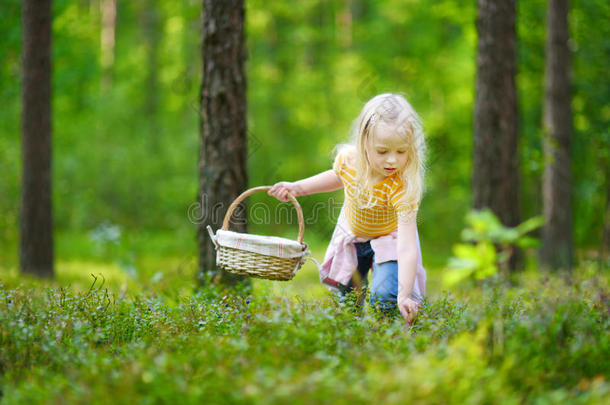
604 244
557 249
495 180
344 23
36 220
151 27
151 30
108 9
222 164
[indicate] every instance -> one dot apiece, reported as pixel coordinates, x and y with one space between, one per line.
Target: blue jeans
384 286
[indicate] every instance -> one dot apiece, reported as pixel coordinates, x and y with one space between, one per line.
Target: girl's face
387 152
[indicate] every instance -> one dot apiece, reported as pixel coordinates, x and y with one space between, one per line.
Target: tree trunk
604 243
36 221
108 9
344 24
495 181
222 164
151 24
556 249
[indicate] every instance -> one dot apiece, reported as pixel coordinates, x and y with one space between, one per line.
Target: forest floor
105 332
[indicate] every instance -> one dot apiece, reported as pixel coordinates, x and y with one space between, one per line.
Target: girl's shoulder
346 155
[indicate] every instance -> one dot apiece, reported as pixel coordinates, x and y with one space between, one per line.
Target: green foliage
124 174
127 154
489 246
544 345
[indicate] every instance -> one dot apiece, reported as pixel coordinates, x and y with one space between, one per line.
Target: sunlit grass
58 345
139 262
305 284
144 328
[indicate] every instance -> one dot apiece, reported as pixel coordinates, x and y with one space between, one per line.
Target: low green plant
537 343
487 246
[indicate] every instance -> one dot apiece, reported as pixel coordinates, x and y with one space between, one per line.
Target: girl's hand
408 309
280 190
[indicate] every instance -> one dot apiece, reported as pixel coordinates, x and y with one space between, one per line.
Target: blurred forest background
125 115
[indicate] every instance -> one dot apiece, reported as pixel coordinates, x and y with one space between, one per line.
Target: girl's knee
383 298
384 287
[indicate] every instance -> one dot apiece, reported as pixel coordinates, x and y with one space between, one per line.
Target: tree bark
151 22
557 251
222 164
604 243
107 40
495 181
36 220
344 24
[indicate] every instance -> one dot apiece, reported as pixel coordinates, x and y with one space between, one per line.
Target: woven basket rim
262 244
286 264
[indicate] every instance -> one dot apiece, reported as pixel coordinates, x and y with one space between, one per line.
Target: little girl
382 173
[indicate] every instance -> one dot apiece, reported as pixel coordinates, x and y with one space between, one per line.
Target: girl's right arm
320 183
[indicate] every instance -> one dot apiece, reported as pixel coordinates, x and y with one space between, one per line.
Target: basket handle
242 196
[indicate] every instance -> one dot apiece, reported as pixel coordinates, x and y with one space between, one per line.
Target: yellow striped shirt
388 202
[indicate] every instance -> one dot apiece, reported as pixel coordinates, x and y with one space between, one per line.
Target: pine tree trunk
222 164
556 249
151 27
604 243
344 24
36 220
107 40
495 180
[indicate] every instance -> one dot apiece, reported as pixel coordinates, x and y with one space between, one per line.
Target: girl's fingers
414 310
407 316
276 191
408 312
280 191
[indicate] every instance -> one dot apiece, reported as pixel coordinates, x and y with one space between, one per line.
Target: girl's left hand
408 309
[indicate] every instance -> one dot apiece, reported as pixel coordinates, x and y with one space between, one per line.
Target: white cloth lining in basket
265 245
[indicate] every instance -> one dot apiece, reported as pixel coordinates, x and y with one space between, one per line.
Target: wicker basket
267 257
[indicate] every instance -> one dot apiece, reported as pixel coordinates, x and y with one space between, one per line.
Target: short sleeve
404 209
338 165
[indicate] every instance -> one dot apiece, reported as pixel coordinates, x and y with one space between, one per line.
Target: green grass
148 336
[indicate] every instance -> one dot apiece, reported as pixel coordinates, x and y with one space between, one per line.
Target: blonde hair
395 112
